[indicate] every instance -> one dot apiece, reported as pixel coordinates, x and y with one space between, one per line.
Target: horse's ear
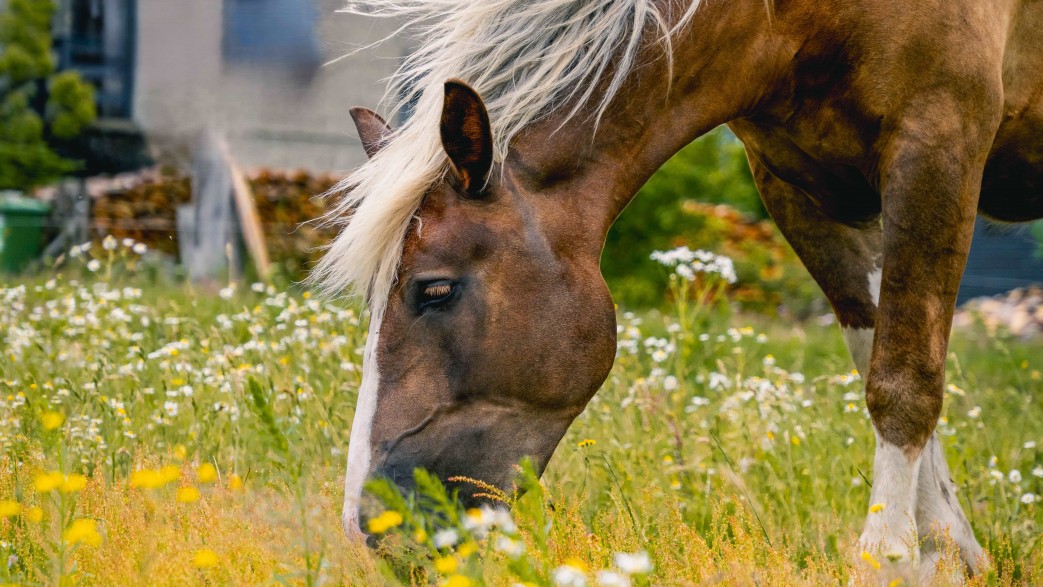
373 131
466 136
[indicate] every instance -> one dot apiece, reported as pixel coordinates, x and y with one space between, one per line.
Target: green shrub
676 208
27 158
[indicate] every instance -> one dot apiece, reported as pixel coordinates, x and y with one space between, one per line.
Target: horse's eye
434 295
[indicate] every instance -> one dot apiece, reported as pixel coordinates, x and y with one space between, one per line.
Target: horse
876 132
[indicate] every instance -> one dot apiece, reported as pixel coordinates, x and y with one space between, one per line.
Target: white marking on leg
359 451
938 513
890 530
860 340
875 277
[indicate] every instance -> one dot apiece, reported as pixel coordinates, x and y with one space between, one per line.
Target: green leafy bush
27 157
677 208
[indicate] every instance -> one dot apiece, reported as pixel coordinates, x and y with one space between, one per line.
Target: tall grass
155 434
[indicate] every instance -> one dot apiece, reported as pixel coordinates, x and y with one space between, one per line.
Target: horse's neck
660 110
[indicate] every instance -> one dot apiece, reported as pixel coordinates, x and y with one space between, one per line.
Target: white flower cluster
687 263
627 564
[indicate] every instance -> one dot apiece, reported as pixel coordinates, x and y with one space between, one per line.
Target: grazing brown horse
876 130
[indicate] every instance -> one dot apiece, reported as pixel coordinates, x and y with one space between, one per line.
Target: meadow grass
154 434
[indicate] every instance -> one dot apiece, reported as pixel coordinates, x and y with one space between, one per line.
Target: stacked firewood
140 206
290 207
143 206
1019 312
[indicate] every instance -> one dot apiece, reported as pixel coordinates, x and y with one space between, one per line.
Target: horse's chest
825 155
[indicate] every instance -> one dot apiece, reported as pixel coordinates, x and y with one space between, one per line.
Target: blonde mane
525 57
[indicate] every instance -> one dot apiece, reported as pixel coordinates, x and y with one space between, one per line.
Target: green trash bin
22 221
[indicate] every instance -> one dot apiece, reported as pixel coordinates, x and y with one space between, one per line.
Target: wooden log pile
288 206
143 206
140 206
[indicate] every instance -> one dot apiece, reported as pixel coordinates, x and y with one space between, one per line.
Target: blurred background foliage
705 198
40 110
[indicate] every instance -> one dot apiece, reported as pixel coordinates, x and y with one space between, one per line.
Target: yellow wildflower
576 564
206 473
9 508
895 582
586 442
83 531
458 581
73 483
147 479
876 507
52 420
205 558
169 473
871 560
180 452
46 482
446 565
385 522
34 514
187 494
235 482
467 549
795 440
420 535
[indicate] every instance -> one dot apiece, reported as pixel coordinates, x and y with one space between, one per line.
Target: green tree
713 170
29 125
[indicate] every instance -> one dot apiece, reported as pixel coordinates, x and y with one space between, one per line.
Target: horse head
498 329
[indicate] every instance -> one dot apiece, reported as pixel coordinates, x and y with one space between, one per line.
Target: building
250 69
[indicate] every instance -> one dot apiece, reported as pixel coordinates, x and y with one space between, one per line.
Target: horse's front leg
930 179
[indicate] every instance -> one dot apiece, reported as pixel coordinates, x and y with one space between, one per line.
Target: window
271 33
96 38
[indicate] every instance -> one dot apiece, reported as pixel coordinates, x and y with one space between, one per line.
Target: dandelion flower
206 473
467 549
187 494
83 531
446 565
586 442
34 514
52 420
420 535
147 479
235 482
877 507
9 508
871 560
169 473
457 581
205 558
384 522
47 482
73 483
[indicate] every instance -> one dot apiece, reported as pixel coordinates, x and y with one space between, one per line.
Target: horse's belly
1012 187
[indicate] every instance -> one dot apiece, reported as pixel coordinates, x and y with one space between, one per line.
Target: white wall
182 85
